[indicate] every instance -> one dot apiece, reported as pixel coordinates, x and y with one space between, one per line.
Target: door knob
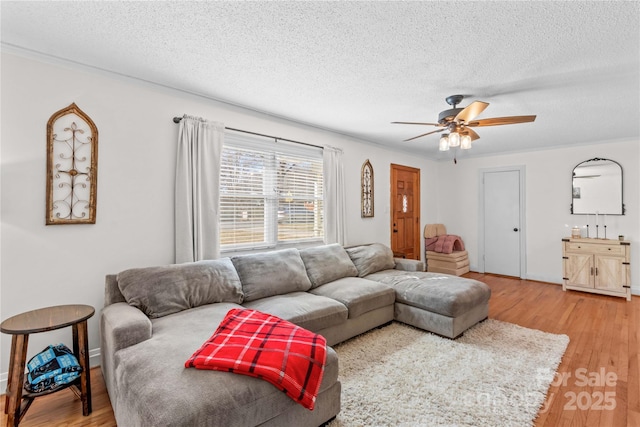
515 229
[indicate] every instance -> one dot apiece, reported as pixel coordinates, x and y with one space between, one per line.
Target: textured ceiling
353 67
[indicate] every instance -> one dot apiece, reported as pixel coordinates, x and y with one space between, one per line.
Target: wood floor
597 384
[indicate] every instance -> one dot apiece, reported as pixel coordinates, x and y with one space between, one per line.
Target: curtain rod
178 119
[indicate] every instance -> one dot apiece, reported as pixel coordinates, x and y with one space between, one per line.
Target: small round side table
43 320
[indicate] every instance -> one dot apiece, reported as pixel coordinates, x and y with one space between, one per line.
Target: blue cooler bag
52 368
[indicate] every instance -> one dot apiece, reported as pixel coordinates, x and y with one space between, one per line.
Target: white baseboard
94 357
542 278
94 360
536 277
555 280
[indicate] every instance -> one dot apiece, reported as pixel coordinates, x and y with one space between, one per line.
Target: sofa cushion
327 263
358 295
159 291
371 258
444 294
271 273
312 312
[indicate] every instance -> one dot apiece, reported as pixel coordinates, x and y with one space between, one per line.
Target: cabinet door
579 270
610 273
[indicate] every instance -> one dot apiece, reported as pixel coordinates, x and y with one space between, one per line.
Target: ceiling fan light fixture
444 142
465 142
454 139
459 122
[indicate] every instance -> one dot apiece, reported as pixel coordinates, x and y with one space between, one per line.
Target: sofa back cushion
159 291
327 263
369 259
271 273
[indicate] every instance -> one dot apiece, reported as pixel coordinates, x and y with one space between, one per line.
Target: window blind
270 194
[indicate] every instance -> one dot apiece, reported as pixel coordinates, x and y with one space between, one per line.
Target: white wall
51 265
548 202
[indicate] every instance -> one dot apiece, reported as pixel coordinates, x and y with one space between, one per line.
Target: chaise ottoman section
440 303
155 389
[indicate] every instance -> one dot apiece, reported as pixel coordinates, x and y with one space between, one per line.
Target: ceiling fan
459 121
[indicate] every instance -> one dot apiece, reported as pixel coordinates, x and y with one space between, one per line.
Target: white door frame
523 225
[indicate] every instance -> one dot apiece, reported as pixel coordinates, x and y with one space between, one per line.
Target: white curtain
334 198
197 195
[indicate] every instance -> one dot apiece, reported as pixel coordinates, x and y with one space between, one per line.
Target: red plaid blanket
257 344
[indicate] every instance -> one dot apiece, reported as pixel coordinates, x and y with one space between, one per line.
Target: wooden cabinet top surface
597 241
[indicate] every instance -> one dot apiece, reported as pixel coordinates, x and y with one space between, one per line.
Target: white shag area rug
496 374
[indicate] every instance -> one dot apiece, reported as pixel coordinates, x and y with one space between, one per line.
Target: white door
502 222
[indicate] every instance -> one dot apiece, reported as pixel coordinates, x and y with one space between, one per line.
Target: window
270 193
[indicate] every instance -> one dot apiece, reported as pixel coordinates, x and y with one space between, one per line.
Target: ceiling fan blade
415 123
471 133
496 121
471 111
424 134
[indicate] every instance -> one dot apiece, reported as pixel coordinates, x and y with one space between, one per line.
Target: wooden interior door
405 212
502 222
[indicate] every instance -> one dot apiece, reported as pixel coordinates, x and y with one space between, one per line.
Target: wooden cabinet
597 265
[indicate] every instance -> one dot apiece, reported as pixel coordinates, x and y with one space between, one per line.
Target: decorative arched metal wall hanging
367 190
72 167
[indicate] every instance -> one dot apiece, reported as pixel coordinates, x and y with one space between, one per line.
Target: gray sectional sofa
155 318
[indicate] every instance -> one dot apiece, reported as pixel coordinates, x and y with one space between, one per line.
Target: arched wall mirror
597 188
